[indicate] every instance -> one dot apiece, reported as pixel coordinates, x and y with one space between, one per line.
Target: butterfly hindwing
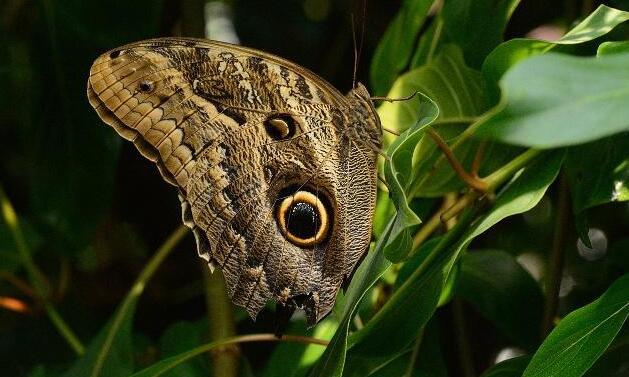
276 189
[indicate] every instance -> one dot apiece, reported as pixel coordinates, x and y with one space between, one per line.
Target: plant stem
136 290
36 277
435 39
556 258
220 314
501 175
415 353
470 180
463 344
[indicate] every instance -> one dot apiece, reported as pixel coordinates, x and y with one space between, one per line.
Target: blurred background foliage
92 210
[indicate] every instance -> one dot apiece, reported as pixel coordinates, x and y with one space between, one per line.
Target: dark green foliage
545 122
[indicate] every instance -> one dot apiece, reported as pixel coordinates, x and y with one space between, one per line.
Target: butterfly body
276 169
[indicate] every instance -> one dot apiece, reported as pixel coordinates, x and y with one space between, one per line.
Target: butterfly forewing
256 146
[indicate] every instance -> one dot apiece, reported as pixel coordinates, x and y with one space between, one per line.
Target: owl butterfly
276 169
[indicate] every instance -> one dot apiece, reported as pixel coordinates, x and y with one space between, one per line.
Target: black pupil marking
114 54
146 86
280 126
302 220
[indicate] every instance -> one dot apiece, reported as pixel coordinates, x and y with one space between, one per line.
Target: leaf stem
36 276
135 291
501 175
473 182
557 257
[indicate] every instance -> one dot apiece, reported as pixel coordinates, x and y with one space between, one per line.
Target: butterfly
275 168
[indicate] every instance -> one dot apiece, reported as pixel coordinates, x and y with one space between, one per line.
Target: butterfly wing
242 134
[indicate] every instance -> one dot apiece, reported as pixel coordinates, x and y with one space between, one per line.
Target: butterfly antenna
377 98
355 50
362 34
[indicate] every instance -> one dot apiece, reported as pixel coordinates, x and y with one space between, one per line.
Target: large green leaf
332 362
398 174
396 46
508 368
583 335
398 322
556 100
458 92
598 173
456 89
429 361
477 25
509 53
502 291
614 362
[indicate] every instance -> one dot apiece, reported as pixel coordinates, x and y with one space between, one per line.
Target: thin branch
475 183
478 158
557 257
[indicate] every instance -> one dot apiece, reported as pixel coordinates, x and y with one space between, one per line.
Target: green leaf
458 92
477 26
428 361
429 43
524 191
502 291
598 173
509 53
509 368
332 362
456 89
608 48
613 363
398 172
583 335
396 46
555 100
400 319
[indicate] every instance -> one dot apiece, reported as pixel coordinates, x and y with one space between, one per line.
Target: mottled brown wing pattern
273 176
